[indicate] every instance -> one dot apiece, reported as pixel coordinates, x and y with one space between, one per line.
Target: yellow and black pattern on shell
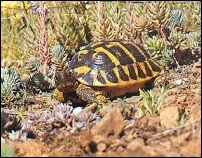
113 63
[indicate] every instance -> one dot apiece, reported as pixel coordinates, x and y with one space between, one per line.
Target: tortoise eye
60 76
80 58
68 73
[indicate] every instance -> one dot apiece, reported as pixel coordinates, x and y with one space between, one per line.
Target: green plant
37 82
7 150
99 22
32 64
11 92
151 102
9 122
182 119
129 31
155 46
59 57
12 19
115 17
76 24
159 14
157 50
67 26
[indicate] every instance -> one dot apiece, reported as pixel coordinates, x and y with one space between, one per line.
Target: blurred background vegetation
169 31
76 24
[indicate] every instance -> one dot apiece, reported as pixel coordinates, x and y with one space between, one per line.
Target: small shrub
151 102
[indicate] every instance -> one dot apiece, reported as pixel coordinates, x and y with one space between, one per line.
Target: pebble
136 143
77 110
101 146
111 125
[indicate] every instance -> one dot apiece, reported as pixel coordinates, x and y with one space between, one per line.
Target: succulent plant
159 13
194 39
37 81
142 23
67 28
32 64
60 116
26 131
186 22
191 23
129 28
176 19
11 52
178 39
151 102
17 135
62 112
87 116
35 7
99 22
9 122
11 92
59 57
115 15
154 46
157 50
45 57
85 120
73 25
29 39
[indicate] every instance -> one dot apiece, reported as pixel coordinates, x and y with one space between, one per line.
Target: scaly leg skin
161 80
89 95
64 97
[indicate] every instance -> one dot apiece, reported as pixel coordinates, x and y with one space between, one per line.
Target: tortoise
107 70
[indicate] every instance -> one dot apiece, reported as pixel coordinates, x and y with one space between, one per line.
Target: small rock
92 107
136 143
99 138
77 110
133 100
169 117
171 99
142 123
105 109
101 146
110 126
120 149
181 81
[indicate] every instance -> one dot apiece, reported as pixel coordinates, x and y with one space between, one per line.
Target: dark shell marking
113 63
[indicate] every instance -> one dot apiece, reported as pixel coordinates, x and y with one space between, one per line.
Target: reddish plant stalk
43 40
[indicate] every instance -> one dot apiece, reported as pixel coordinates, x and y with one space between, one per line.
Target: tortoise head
65 81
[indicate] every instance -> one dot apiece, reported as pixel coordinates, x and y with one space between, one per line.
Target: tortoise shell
114 64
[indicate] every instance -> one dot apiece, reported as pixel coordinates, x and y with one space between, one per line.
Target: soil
174 131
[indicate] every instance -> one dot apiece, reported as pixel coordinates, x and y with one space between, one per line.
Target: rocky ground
120 131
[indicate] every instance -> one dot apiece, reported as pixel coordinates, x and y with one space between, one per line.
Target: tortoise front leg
89 95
